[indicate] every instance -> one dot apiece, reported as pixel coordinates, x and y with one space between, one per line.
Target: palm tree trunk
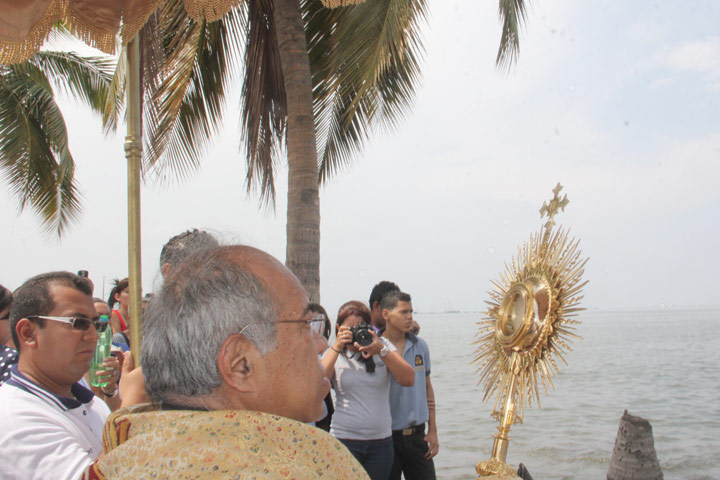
303 207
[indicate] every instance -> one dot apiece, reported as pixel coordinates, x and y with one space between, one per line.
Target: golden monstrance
530 320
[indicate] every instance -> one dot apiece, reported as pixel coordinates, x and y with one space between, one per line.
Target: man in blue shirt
410 407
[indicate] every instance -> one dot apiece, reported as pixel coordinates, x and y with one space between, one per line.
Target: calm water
662 366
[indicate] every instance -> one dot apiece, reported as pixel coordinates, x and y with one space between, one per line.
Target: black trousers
409 457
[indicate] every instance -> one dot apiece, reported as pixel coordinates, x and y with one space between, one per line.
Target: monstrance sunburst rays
531 318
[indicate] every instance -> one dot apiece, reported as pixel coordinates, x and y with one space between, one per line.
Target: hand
433 445
344 336
132 387
371 349
110 375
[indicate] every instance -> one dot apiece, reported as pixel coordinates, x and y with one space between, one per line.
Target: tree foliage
35 160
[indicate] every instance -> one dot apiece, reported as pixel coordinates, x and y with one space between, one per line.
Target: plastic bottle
101 351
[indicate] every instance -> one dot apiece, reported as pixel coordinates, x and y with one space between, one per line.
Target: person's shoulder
16 398
417 340
98 405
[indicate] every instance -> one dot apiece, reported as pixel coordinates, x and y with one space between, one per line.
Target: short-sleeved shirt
43 435
362 399
8 358
408 405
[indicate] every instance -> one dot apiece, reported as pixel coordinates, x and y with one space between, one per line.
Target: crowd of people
237 368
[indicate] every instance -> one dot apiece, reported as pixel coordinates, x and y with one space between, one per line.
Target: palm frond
185 104
32 136
263 101
512 15
366 65
83 78
115 96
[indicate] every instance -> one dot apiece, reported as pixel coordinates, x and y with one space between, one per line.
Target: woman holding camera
359 365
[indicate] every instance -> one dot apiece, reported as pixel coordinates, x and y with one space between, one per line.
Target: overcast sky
616 100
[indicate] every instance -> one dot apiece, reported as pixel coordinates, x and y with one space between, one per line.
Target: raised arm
401 371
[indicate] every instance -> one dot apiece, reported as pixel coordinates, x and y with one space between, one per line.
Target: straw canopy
24 26
340 3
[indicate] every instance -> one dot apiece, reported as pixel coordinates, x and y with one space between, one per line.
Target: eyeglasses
78 323
316 323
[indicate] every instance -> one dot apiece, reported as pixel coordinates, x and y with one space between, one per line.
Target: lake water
660 365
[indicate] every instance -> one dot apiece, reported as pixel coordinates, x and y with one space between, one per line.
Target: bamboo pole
133 153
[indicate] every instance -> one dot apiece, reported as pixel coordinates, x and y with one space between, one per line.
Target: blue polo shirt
408 405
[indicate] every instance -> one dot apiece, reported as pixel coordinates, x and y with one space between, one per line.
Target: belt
410 430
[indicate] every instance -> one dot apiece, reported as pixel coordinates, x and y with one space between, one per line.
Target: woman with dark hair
359 365
8 354
120 294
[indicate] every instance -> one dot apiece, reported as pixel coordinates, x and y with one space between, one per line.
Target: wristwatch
384 351
111 394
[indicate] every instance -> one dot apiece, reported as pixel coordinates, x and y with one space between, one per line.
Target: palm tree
313 77
35 159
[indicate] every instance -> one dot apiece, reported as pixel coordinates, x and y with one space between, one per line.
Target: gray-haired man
229 359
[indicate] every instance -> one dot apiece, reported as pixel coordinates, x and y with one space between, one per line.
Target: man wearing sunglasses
230 363
51 426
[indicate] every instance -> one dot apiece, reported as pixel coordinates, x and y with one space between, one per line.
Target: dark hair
353 307
391 299
317 308
33 297
120 285
184 245
6 297
380 290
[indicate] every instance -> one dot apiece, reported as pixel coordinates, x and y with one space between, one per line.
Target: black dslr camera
361 334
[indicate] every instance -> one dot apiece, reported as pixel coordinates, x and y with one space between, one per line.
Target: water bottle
101 351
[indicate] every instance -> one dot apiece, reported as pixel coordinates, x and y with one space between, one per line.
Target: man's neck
394 335
39 378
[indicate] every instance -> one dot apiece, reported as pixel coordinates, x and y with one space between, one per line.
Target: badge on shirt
418 360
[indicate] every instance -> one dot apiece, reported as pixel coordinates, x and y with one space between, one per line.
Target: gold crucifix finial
550 210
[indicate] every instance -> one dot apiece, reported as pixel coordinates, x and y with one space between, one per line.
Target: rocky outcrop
523 473
634 455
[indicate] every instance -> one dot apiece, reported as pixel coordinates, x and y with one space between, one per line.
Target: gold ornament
531 318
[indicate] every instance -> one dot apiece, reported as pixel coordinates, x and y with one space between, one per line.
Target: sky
615 100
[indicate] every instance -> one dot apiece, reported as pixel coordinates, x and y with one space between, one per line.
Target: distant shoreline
671 308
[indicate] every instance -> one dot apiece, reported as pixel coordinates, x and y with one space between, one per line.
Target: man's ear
385 314
165 269
236 362
27 333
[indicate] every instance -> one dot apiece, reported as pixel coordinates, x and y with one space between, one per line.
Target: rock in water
523 473
634 452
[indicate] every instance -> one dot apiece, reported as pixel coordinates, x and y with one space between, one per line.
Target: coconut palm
317 83
35 159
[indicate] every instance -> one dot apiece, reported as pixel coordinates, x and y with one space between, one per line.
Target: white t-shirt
45 436
362 406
